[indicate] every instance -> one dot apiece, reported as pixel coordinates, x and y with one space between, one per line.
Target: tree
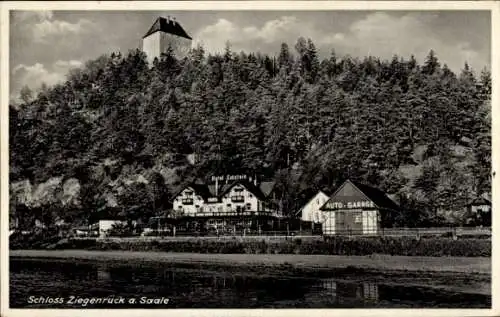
285 59
431 64
26 94
305 121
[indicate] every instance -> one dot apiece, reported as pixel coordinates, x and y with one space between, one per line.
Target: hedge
335 246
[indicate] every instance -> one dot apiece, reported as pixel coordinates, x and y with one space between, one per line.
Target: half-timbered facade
356 208
237 203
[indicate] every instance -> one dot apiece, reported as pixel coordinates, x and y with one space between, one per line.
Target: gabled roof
267 187
168 26
248 185
378 197
480 201
310 199
212 189
199 189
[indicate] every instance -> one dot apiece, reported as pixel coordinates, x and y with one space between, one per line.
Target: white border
242 5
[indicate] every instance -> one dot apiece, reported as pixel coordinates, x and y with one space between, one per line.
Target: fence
418 232
389 232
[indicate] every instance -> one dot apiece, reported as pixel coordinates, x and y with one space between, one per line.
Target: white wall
188 209
329 222
248 197
105 226
484 208
370 222
226 204
158 43
312 207
151 46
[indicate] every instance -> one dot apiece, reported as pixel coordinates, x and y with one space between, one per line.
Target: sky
44 45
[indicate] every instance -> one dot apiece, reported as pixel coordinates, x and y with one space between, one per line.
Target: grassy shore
479 265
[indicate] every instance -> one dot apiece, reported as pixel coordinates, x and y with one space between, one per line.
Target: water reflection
341 291
201 287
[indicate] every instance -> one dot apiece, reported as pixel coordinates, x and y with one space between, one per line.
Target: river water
51 283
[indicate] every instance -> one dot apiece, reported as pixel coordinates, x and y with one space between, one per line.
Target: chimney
173 20
168 19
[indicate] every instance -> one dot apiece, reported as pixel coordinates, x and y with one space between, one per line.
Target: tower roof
168 26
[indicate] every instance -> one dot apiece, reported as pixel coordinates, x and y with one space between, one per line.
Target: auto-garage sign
350 204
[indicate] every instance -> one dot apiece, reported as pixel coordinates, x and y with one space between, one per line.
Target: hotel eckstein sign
230 178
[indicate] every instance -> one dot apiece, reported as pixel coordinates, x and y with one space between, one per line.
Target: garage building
356 208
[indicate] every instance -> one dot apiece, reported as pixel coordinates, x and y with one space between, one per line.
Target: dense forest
121 136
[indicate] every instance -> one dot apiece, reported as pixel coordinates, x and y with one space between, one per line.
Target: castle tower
165 33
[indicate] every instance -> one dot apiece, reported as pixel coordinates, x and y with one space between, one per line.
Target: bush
335 246
436 246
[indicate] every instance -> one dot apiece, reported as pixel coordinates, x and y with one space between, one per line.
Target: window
237 198
249 206
219 208
358 219
187 201
188 193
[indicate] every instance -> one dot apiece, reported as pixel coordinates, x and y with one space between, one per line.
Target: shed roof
168 26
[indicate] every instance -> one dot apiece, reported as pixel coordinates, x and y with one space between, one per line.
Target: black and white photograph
244 156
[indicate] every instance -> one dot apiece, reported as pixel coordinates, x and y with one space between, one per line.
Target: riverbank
468 265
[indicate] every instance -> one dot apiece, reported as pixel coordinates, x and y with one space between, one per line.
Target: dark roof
248 185
377 196
310 198
267 187
199 189
168 26
212 188
480 201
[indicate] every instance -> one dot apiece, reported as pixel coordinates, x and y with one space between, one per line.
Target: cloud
34 75
382 34
214 37
42 27
47 28
33 15
379 34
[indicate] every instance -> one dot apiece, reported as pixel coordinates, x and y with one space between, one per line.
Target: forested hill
121 135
